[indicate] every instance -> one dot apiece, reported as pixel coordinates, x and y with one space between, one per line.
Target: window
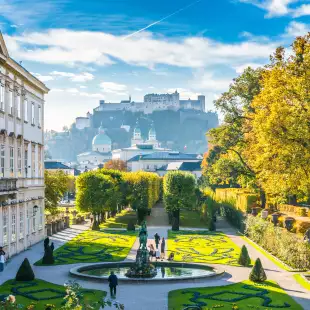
28 222
21 224
18 103
5 227
33 161
32 114
39 116
1 97
26 160
19 161
26 110
12 160
13 232
40 160
10 100
33 223
41 218
2 159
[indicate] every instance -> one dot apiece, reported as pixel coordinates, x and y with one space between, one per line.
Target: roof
165 156
94 153
55 165
181 166
100 139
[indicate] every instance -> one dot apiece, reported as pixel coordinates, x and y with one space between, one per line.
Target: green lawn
27 293
246 295
191 218
95 246
203 247
121 219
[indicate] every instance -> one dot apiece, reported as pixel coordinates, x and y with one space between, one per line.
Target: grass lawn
191 218
246 295
95 246
26 293
121 219
304 283
203 247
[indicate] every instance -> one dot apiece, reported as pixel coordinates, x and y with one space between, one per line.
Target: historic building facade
21 155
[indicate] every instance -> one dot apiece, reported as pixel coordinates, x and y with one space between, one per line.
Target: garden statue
142 267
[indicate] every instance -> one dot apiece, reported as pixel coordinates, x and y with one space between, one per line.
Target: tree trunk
262 198
96 224
176 220
102 215
141 215
292 200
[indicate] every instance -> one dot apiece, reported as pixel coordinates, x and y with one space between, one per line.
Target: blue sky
85 51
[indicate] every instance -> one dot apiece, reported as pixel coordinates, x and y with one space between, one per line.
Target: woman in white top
2 259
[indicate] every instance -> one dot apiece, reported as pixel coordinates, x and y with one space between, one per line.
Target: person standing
113 282
2 259
157 239
162 248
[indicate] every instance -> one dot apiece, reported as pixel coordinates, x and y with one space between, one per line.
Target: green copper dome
101 138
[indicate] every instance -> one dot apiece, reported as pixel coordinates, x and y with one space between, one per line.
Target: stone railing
8 185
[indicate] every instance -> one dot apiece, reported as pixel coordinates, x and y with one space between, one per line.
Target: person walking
152 252
113 282
2 259
157 239
162 248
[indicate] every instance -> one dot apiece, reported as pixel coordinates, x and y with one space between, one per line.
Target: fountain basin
166 271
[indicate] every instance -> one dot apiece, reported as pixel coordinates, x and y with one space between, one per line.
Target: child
171 256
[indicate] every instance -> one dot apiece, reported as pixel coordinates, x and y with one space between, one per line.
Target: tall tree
179 193
95 192
56 185
278 146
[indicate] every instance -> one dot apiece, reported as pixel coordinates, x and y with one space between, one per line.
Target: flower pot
265 214
275 218
288 223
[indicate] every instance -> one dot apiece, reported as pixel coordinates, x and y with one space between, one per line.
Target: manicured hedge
288 247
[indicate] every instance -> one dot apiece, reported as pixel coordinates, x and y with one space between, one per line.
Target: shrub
288 247
131 226
258 273
48 258
244 258
25 272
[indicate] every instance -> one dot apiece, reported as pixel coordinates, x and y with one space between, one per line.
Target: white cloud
138 89
207 82
277 8
295 29
43 78
63 46
114 88
82 77
83 86
241 68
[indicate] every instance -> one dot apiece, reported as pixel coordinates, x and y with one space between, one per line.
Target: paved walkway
141 296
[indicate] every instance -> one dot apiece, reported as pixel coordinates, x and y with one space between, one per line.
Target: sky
85 51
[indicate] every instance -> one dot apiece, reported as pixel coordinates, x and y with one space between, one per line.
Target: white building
83 122
156 160
21 155
192 167
100 153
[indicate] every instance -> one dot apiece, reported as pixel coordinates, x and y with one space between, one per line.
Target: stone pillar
67 222
58 225
54 228
62 224
49 229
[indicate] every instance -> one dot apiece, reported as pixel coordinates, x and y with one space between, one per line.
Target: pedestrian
152 251
157 254
52 246
113 282
171 257
2 259
157 239
162 248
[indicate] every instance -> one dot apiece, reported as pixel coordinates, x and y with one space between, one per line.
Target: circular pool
165 271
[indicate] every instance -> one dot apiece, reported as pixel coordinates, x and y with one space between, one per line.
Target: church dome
137 130
101 138
152 132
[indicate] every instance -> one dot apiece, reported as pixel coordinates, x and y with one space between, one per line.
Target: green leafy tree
179 193
95 192
56 185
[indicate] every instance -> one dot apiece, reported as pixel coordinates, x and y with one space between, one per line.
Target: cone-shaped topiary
258 273
25 272
48 258
211 225
244 258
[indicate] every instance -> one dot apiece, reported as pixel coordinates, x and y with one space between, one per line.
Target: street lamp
35 210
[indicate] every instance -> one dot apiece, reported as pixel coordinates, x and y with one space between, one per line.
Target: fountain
142 267
143 270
